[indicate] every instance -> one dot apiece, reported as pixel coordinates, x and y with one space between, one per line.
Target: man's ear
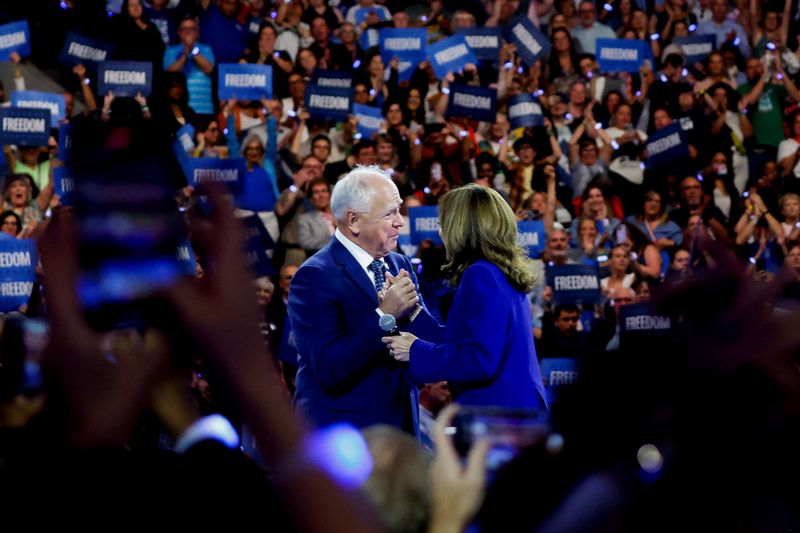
353 222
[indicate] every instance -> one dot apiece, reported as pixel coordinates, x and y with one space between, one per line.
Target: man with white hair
338 298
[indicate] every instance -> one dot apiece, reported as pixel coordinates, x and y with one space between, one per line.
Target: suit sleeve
475 336
424 325
319 322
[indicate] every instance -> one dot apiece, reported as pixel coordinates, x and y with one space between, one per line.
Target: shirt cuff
214 427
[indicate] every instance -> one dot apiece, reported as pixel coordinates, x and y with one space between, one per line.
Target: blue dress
488 357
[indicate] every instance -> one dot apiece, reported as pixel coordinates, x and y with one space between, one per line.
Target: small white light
655 36
508 65
462 133
356 63
650 458
110 13
590 74
292 113
771 46
598 125
424 18
445 90
87 81
638 93
692 27
614 145
276 55
779 76
520 70
426 190
641 165
372 92
736 41
568 116
663 78
684 73
699 177
357 136
554 444
752 260
608 7
417 141
273 14
540 92
225 131
63 5
746 194
195 50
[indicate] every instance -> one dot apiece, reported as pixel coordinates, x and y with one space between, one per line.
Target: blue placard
184 253
696 47
185 136
341 79
574 284
640 320
17 272
484 42
54 102
257 241
424 223
450 55
524 111
620 55
369 119
407 45
531 43
25 127
468 101
665 145
65 143
328 103
531 236
370 38
125 78
79 49
63 184
559 371
245 82
228 171
182 147
15 37
254 26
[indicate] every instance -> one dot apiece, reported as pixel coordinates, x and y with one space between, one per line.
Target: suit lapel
353 270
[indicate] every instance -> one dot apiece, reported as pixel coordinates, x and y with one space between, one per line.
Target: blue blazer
488 357
346 373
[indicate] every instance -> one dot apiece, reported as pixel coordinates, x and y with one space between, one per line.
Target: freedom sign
468 101
424 222
328 102
65 143
369 119
450 55
227 171
531 236
407 45
574 284
484 42
24 127
54 102
524 111
125 78
257 241
15 37
557 372
665 145
531 43
620 55
17 272
184 253
79 49
696 47
341 79
245 82
63 184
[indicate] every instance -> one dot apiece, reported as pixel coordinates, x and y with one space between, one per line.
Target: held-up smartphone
509 431
129 230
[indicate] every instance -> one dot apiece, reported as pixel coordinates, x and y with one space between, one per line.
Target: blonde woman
488 357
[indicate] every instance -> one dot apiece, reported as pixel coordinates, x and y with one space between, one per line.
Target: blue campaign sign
254 26
342 79
576 284
531 236
184 253
79 49
17 272
245 82
54 102
257 241
640 320
65 143
407 45
696 47
524 111
15 37
370 38
450 55
228 171
484 42
424 224
531 43
328 102
468 101
369 119
125 78
665 145
63 184
620 55
558 372
25 127
185 136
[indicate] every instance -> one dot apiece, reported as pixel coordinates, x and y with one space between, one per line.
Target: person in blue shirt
196 62
488 356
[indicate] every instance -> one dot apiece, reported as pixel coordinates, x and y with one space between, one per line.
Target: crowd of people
361 322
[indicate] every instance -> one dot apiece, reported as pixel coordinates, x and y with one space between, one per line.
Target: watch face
387 323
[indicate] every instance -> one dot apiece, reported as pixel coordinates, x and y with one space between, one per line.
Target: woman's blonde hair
478 224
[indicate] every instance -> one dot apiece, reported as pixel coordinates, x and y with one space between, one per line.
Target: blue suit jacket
346 372
488 357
